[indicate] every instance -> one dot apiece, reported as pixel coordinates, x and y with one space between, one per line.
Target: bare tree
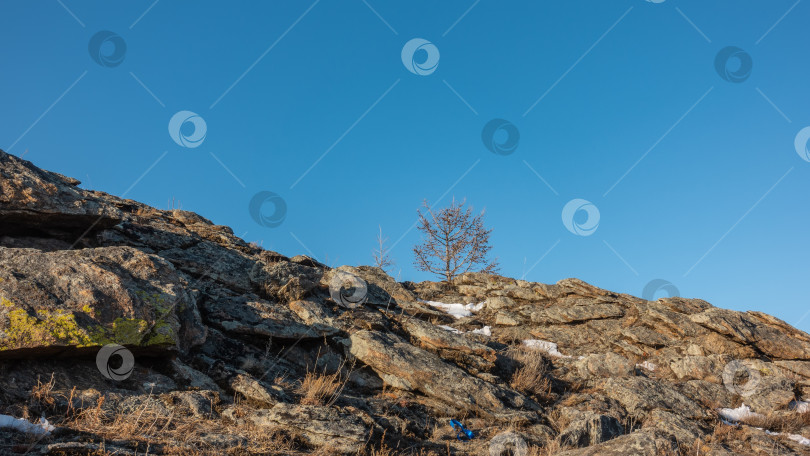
455 241
382 256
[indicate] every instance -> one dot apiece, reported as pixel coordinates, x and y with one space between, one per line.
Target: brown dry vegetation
531 377
780 422
321 388
151 428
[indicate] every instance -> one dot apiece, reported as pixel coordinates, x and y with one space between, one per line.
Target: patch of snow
740 413
733 416
450 328
647 365
800 406
456 310
543 345
486 331
21 425
801 440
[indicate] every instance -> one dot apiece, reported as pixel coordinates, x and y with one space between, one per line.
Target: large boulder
639 443
285 281
341 430
52 301
32 197
603 365
450 345
587 428
248 315
639 396
404 366
772 336
380 288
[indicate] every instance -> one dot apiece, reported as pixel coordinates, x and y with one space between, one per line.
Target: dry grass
780 422
553 447
149 424
42 393
321 388
531 377
557 420
383 450
722 436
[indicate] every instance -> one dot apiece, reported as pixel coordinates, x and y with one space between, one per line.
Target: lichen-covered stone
90 297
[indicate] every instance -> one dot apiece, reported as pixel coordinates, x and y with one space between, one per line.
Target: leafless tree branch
455 241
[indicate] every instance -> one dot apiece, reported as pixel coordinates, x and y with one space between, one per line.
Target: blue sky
696 179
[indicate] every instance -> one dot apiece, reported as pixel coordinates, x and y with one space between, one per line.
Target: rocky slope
216 346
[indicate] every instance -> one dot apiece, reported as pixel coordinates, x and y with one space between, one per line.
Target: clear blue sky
718 206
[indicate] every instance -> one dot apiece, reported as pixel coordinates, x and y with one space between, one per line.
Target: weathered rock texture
239 350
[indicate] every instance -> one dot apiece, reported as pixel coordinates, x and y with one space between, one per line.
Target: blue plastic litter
461 430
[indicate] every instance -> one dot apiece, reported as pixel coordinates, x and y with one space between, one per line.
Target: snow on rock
21 425
548 347
743 412
740 413
457 310
451 329
647 365
798 438
486 331
801 440
800 406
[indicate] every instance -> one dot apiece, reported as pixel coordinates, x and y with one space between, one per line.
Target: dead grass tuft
321 388
780 422
42 393
150 424
531 377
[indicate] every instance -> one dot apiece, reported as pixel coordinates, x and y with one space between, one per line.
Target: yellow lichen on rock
25 330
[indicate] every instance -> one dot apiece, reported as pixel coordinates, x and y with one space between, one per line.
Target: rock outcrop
222 347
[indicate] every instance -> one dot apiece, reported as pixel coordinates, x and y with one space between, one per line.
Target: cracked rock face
240 350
